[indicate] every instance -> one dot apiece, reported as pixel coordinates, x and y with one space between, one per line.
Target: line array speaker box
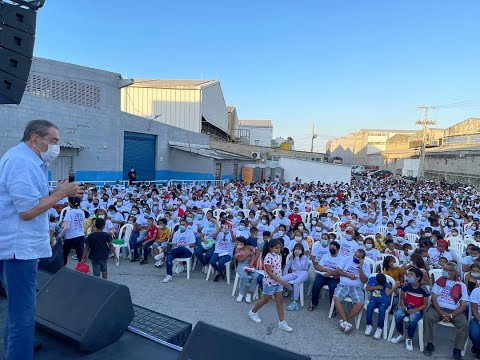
212 343
17 38
87 310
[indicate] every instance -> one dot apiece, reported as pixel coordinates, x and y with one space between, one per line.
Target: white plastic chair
227 267
385 323
458 246
159 216
468 239
437 273
337 226
275 212
206 210
216 213
188 261
371 263
382 230
412 238
305 217
314 214
124 234
419 330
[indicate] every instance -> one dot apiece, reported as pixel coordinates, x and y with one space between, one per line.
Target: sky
341 65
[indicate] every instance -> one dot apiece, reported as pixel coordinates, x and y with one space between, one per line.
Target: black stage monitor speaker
17 38
88 310
229 346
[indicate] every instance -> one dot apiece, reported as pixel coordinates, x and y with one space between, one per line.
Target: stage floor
129 346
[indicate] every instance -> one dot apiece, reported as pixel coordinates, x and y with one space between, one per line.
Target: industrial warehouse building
101 142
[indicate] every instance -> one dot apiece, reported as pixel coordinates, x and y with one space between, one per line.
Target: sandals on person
311 307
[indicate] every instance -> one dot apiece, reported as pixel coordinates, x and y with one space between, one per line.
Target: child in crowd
97 248
272 283
380 242
390 248
160 245
472 278
380 292
245 255
412 303
404 254
372 252
391 268
296 269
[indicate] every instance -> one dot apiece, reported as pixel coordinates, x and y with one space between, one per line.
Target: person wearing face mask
296 270
440 250
325 268
474 332
320 248
115 217
449 302
183 243
264 225
369 228
412 227
354 273
413 301
159 247
298 238
206 243
242 229
317 231
348 245
400 239
370 249
25 201
72 229
224 246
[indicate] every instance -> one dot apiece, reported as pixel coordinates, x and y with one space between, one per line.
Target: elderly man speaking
24 235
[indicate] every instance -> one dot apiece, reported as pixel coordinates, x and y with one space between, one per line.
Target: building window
218 171
235 172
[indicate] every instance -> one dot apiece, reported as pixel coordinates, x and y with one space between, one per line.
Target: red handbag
82 267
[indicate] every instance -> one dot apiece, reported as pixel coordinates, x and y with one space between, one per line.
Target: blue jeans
218 262
412 323
382 309
475 334
179 252
319 283
203 255
19 278
244 278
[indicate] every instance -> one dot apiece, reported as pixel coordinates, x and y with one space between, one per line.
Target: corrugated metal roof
260 123
71 143
172 84
211 153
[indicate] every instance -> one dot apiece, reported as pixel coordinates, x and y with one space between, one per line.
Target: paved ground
314 334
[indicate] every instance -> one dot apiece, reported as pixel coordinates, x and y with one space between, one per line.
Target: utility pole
314 136
424 123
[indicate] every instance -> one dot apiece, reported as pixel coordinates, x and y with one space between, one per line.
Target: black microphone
71 176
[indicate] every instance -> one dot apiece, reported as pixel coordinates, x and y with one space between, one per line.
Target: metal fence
102 183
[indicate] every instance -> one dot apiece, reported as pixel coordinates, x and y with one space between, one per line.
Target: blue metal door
139 151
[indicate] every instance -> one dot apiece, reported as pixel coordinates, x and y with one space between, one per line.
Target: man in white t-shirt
449 302
353 274
183 243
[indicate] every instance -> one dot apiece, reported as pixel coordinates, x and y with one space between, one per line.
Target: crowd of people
389 246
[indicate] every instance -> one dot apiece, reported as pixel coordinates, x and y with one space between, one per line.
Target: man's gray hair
37 127
452 265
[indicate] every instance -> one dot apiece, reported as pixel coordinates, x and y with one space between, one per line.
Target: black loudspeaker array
17 37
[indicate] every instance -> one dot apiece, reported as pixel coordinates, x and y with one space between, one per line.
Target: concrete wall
454 166
264 135
314 171
246 150
100 126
